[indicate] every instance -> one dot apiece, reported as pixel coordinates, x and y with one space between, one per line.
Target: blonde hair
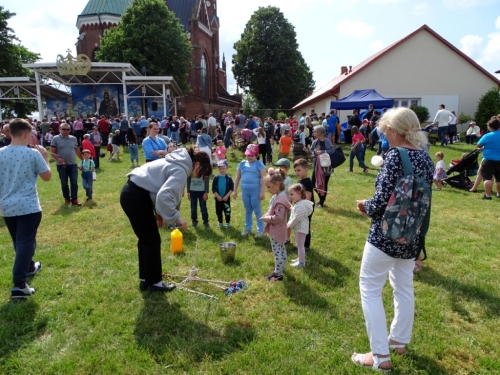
439 154
298 188
276 176
404 122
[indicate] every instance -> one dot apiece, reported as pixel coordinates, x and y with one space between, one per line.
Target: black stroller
431 129
459 174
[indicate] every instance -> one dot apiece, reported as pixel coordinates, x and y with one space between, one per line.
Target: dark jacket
229 185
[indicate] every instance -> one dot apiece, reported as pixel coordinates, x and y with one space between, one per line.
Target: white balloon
377 161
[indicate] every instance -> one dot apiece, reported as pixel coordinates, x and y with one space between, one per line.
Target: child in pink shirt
357 150
220 151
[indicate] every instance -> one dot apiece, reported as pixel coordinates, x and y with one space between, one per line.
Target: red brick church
207 78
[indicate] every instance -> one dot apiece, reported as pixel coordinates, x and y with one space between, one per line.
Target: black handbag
337 158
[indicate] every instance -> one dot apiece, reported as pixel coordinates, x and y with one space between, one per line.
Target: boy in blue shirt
19 204
223 187
197 188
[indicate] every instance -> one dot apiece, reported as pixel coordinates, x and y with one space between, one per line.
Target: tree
488 106
13 56
268 63
149 35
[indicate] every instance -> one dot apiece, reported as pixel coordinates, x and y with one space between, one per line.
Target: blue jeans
23 229
174 136
250 197
359 153
134 153
197 196
442 133
69 171
87 180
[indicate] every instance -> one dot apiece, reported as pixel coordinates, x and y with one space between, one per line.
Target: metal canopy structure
100 73
26 88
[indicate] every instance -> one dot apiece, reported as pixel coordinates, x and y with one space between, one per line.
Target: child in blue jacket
222 187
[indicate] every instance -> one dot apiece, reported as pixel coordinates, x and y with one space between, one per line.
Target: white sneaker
219 225
294 260
259 234
298 264
246 233
228 225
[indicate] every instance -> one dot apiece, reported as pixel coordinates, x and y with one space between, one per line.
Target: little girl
299 221
278 209
439 173
220 151
357 150
251 173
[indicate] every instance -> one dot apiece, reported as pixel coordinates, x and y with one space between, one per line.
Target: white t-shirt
440 164
261 140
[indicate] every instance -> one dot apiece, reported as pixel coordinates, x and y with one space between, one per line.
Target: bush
281 116
488 106
463 118
421 112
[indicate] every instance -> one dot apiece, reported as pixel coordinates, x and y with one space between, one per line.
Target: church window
204 83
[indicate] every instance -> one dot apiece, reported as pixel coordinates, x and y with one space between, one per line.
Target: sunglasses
65 129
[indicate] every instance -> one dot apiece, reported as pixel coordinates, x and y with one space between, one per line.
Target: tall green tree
487 107
149 35
13 55
268 63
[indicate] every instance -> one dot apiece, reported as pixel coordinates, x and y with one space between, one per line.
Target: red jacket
87 145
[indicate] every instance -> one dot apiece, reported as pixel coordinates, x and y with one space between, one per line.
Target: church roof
116 7
183 9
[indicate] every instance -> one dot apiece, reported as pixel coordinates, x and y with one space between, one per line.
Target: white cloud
383 1
464 4
421 9
377 45
357 29
471 45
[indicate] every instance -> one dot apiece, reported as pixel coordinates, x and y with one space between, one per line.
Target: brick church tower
207 78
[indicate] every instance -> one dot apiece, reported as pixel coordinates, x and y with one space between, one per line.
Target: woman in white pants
384 256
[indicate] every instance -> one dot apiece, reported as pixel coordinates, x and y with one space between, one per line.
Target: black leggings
263 152
136 203
321 197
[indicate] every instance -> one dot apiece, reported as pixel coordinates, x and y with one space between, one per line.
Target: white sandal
397 346
359 359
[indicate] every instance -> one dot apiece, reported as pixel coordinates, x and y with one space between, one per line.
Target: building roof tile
116 7
183 9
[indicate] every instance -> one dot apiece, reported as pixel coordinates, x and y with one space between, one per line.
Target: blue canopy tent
361 99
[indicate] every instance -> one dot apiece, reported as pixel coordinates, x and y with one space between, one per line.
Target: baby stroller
459 174
431 129
244 138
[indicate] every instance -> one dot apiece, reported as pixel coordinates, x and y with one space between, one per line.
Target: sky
330 33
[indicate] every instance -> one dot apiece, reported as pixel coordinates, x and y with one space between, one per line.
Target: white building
421 69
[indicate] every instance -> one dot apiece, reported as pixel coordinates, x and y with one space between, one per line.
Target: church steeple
223 62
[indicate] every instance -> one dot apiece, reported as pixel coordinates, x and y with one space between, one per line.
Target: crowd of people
174 168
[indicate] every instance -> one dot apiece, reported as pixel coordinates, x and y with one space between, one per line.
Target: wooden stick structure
192 276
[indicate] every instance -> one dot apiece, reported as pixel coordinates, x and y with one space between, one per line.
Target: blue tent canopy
361 99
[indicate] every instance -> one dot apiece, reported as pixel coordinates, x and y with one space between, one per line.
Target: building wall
93 32
425 68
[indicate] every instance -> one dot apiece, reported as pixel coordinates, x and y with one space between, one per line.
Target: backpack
237 120
324 160
296 137
408 212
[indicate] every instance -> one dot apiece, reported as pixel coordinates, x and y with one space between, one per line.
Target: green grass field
88 316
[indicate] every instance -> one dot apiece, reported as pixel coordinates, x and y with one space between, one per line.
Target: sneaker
366 170
294 260
36 268
22 293
75 203
195 224
245 233
298 264
349 171
485 197
259 234
275 277
67 201
157 288
228 225
207 225
219 225
319 205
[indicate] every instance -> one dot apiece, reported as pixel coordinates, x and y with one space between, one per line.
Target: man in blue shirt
491 153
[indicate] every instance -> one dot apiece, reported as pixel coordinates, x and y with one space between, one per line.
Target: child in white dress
299 221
